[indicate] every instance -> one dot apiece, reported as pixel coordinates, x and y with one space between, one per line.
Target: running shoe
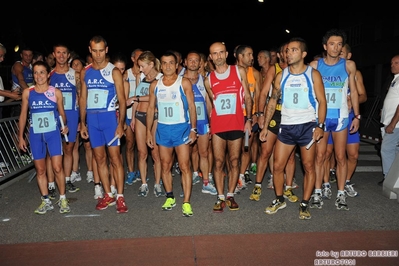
211 180
232 204
45 206
288 194
177 168
75 177
143 190
270 183
114 191
349 190
121 205
169 204
240 184
294 184
256 192
64 205
209 189
316 201
71 187
219 205
247 179
275 206
187 210
304 213
253 168
196 178
89 177
104 202
333 176
131 176
340 202
158 192
98 192
52 194
138 177
326 192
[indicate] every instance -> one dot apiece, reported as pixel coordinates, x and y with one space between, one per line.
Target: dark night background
161 25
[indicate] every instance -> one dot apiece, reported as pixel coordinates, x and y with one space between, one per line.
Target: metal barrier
13 162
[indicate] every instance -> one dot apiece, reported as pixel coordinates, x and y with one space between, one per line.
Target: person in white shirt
390 120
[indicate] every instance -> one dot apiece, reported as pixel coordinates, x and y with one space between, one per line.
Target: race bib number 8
296 98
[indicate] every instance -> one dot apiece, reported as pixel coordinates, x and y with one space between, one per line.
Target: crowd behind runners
214 122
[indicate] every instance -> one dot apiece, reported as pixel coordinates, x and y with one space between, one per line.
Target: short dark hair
302 43
98 39
334 32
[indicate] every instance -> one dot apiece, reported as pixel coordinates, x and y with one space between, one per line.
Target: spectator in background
89 59
273 55
37 56
390 119
49 58
13 95
22 77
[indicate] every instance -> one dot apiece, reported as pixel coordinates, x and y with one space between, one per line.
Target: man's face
193 61
218 54
395 65
262 59
136 56
273 57
27 56
283 54
294 53
98 51
61 55
168 65
248 57
334 46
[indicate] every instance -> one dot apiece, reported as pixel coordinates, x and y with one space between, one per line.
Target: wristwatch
358 117
194 130
321 125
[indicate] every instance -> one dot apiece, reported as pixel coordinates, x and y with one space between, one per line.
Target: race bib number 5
97 99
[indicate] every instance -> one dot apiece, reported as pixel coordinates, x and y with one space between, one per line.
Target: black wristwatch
321 125
194 130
